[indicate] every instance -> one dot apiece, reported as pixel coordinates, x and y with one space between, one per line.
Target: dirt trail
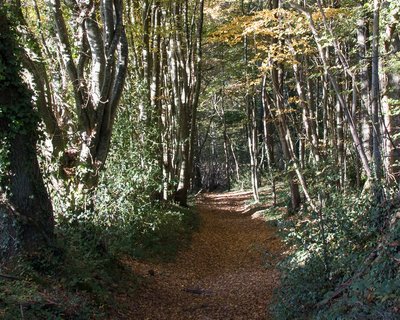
227 272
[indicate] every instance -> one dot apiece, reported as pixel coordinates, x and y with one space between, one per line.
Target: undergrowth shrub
50 285
148 231
344 262
128 213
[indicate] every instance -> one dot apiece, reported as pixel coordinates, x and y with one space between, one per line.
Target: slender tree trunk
362 37
251 125
226 143
268 140
237 170
283 131
390 88
325 112
307 115
375 96
252 145
340 144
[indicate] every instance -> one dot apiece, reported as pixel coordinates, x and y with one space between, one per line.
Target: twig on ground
7 276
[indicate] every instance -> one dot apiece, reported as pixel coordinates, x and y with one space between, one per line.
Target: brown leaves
221 276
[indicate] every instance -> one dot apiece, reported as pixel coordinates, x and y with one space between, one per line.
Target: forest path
228 272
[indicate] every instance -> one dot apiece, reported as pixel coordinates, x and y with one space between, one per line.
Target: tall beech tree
78 67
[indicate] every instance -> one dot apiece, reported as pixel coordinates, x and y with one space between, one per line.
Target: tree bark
283 132
375 97
390 88
362 36
26 216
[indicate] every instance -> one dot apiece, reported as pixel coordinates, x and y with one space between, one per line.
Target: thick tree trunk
26 217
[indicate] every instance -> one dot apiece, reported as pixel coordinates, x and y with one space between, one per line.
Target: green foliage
16 111
374 289
46 286
343 264
127 214
78 279
143 231
244 182
17 115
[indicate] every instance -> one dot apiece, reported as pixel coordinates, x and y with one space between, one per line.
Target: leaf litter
228 271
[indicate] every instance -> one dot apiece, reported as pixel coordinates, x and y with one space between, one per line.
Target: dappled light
225 159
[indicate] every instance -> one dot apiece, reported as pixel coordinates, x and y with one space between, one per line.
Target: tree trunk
268 139
283 131
96 78
252 145
26 217
185 54
390 87
307 114
362 37
375 97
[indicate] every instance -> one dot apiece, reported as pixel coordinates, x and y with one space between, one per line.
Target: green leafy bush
44 288
127 216
343 264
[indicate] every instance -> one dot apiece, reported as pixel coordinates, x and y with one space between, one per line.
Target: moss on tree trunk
26 216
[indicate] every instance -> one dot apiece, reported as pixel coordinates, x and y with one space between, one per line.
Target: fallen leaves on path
226 273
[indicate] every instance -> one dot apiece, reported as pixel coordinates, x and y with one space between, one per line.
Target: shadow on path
228 272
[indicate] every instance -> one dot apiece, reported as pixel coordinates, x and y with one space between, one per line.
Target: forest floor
227 272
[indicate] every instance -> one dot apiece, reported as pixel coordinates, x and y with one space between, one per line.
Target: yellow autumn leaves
276 36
